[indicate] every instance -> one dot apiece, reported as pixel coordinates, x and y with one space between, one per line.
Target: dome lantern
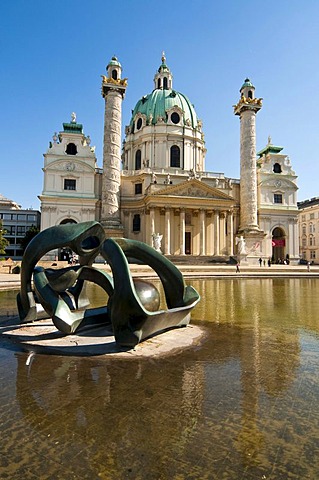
163 79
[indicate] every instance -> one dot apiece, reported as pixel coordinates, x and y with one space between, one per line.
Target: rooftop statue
132 308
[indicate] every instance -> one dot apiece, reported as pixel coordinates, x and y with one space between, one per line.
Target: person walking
237 268
269 262
260 261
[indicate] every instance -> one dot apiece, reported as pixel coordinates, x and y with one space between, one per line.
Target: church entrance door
278 245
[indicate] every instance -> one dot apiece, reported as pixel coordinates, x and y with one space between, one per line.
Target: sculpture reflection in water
132 309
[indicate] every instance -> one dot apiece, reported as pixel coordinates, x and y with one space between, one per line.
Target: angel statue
241 245
157 241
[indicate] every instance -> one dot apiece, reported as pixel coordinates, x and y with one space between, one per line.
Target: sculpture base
42 337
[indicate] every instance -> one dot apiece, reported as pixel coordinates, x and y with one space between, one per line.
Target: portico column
152 220
167 231
296 239
182 232
202 236
216 232
230 232
130 223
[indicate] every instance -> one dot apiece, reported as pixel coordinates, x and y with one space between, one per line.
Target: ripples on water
242 406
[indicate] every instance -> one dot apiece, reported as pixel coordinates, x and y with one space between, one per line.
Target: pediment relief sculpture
194 188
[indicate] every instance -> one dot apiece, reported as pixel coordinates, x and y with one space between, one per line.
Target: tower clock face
278 183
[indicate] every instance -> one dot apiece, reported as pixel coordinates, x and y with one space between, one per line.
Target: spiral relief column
246 109
113 91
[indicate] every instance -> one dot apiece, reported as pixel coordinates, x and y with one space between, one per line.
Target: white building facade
71 187
162 188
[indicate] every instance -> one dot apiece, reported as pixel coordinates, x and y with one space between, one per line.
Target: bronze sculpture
133 305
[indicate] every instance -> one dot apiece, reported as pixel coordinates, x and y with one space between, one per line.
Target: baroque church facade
154 187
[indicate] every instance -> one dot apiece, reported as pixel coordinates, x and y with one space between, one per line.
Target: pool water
242 405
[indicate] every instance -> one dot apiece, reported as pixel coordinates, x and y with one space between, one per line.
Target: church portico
185 231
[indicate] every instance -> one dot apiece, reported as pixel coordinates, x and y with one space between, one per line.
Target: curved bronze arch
131 321
83 238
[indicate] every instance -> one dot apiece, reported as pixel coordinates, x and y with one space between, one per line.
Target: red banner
278 242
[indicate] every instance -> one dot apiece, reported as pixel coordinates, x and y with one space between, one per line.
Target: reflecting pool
242 405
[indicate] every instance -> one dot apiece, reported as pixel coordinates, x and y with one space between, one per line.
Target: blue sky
53 54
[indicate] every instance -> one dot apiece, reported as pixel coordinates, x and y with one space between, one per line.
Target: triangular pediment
195 189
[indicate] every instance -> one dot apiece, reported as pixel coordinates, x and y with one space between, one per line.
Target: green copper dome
159 102
247 83
114 62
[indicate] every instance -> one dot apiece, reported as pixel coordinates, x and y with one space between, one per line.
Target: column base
254 242
113 229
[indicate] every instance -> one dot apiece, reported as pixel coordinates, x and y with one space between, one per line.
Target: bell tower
113 91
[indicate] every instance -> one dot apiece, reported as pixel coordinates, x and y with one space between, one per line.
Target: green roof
73 127
160 101
269 149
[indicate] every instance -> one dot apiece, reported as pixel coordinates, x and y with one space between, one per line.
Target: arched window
114 74
71 149
165 83
138 158
250 94
175 156
67 220
159 83
277 168
136 223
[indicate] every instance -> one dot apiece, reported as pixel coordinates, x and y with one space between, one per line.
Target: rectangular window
22 217
69 184
303 218
11 230
277 198
312 254
138 188
312 216
304 242
7 216
20 230
136 223
31 218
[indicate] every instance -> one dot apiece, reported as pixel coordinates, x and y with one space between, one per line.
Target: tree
3 241
32 232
